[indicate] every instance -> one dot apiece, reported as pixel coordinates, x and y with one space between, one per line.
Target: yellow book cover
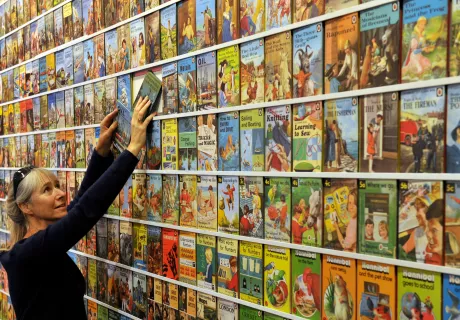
51 71
277 278
187 257
170 144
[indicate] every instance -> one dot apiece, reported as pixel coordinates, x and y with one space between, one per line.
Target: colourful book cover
252 140
138 43
304 10
110 95
206 81
228 142
92 278
421 221
170 239
207 201
91 244
379 52
158 298
251 193
111 50
70 149
338 288
140 196
45 151
49 27
205 23
98 63
102 281
123 10
207 142
252 17
278 138
67 22
123 133
251 273
77 18
58 27
278 14
71 193
186 22
88 56
35 41
252 70
340 214
168 32
52 112
206 261
140 292
228 81
155 197
78 105
99 101
278 66
126 199
152 30
206 306
307 218
308 65
126 242
43 86
334 5
452 150
376 290
188 201
60 110
33 114
140 246
249 313
187 257
38 155
124 278
377 217
424 40
449 294
78 63
227 309
27 43
342 36
102 312
124 48
187 84
277 278
228 206
227 22
92 309
422 117
30 152
454 50
154 250
88 17
170 90
53 149
169 144
340 135
60 73
227 255
170 213
419 294
187 143
277 209
452 231
88 107
16 84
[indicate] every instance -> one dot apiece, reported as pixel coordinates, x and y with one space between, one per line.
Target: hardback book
340 135
31 152
155 197
124 48
99 101
341 72
419 292
49 29
186 23
60 109
158 298
68 27
227 21
187 257
123 133
136 7
78 63
152 31
92 308
111 51
110 95
140 255
69 149
88 107
228 77
422 114
99 65
452 228
126 242
377 217
306 279
14 48
277 14
71 194
278 67
187 143
89 59
154 250
58 27
452 151
227 273
60 72
252 140
449 293
228 206
250 313
307 211
278 138
207 142
308 64
454 40
252 70
206 261
277 192
169 145
123 9
334 5
424 50
206 306
304 10
79 102
421 240
206 81
168 32
186 77
207 202
91 244
98 15
251 193
88 20
277 278
125 281
125 198
138 43
169 88
379 52
251 273
140 291
45 151
53 157
27 44
228 141
20 47
206 31
2 20
113 240
77 18
340 214
170 213
102 312
90 143
170 242
92 278
9 51
252 17
43 74
52 112
110 12
338 287
37 160
102 279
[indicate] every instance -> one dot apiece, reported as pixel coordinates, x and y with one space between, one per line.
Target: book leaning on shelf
151 87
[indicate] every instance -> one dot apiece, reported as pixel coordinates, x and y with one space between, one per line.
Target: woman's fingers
149 118
108 119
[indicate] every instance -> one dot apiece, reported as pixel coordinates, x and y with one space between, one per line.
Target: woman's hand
108 127
139 126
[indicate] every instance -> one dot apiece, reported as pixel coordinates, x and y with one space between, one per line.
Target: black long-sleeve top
44 282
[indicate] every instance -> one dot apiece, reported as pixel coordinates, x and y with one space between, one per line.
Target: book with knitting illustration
278 138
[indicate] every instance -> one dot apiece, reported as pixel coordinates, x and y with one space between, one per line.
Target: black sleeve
62 235
97 166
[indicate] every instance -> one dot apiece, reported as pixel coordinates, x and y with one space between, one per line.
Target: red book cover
170 254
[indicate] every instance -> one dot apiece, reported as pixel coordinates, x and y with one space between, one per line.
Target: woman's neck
35 225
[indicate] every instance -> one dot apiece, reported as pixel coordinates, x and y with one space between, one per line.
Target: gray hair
17 222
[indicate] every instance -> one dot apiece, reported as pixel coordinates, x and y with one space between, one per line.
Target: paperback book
228 81
207 203
252 140
251 273
277 278
187 143
278 66
277 192
206 261
206 81
252 69
228 206
170 186
207 142
228 142
188 201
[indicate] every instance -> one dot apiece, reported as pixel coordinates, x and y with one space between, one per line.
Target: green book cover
277 209
151 87
102 313
206 261
251 272
248 313
377 217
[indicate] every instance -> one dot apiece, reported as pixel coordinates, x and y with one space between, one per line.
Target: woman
44 282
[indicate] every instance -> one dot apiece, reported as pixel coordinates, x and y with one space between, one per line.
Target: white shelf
109 306
198 289
260 35
4 231
344 254
4 292
49 130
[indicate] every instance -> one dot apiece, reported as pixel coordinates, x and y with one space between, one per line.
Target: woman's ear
25 208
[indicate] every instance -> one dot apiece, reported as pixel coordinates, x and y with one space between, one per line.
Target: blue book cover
123 133
111 49
68 67
450 295
206 81
154 145
169 77
252 126
228 141
36 75
43 75
205 23
308 61
278 138
186 22
187 143
155 197
78 63
452 137
88 56
187 85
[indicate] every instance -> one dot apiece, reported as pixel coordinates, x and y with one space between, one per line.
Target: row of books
346 53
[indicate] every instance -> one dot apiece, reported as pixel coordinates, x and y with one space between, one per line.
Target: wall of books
303 163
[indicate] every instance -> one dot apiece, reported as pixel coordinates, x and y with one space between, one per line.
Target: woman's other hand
139 126
108 127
